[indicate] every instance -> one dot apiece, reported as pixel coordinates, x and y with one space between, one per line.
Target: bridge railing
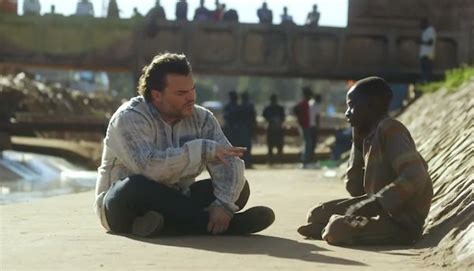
227 48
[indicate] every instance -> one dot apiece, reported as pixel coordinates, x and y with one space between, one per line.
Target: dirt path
62 233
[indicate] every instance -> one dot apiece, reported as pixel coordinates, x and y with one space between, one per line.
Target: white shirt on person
314 112
84 8
31 7
428 50
139 141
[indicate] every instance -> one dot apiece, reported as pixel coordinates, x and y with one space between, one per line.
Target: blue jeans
426 66
309 143
135 195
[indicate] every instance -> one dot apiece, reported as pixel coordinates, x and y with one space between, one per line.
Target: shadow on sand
252 244
390 250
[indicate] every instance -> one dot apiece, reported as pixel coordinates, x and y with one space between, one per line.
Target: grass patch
453 80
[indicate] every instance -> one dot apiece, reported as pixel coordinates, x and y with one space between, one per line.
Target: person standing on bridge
31 7
202 14
427 49
155 147
84 8
387 178
113 10
286 19
154 15
313 17
181 10
265 15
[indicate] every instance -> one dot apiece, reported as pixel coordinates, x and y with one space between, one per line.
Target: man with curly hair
156 145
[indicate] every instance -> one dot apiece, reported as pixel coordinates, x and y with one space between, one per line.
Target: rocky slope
442 125
23 99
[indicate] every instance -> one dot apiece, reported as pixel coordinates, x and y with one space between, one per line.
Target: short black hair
154 75
307 92
318 98
273 97
376 89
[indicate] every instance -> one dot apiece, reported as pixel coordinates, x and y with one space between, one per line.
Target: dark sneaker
311 230
148 225
250 221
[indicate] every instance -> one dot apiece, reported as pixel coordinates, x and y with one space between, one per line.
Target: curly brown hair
154 74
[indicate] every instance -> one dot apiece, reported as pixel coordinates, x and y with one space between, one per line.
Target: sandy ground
62 233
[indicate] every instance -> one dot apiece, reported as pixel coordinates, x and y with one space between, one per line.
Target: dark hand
219 220
368 207
358 138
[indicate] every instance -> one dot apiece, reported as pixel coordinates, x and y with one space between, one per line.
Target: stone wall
389 51
445 14
442 125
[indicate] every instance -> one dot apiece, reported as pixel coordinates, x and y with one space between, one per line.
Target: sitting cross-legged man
387 178
156 145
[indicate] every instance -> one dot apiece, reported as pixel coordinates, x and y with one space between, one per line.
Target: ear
156 96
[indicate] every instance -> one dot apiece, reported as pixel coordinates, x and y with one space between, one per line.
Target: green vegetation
453 80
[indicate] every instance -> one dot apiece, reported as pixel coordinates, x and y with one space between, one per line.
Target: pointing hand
223 151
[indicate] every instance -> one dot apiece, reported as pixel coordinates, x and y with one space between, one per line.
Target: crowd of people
202 14
240 125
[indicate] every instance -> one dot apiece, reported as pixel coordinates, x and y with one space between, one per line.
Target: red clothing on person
8 6
302 113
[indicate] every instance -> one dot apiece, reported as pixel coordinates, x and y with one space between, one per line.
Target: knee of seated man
337 231
244 196
318 215
127 186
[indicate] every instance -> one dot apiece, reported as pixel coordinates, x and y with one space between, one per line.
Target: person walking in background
313 17
274 114
314 122
181 10
302 112
247 117
85 8
231 118
157 13
427 49
265 15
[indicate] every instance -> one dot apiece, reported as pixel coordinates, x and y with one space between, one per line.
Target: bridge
227 48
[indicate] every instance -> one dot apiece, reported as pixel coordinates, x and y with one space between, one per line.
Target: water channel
25 177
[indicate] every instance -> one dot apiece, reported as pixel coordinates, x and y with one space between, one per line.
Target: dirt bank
442 125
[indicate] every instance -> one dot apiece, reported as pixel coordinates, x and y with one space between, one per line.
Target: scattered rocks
23 99
22 94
